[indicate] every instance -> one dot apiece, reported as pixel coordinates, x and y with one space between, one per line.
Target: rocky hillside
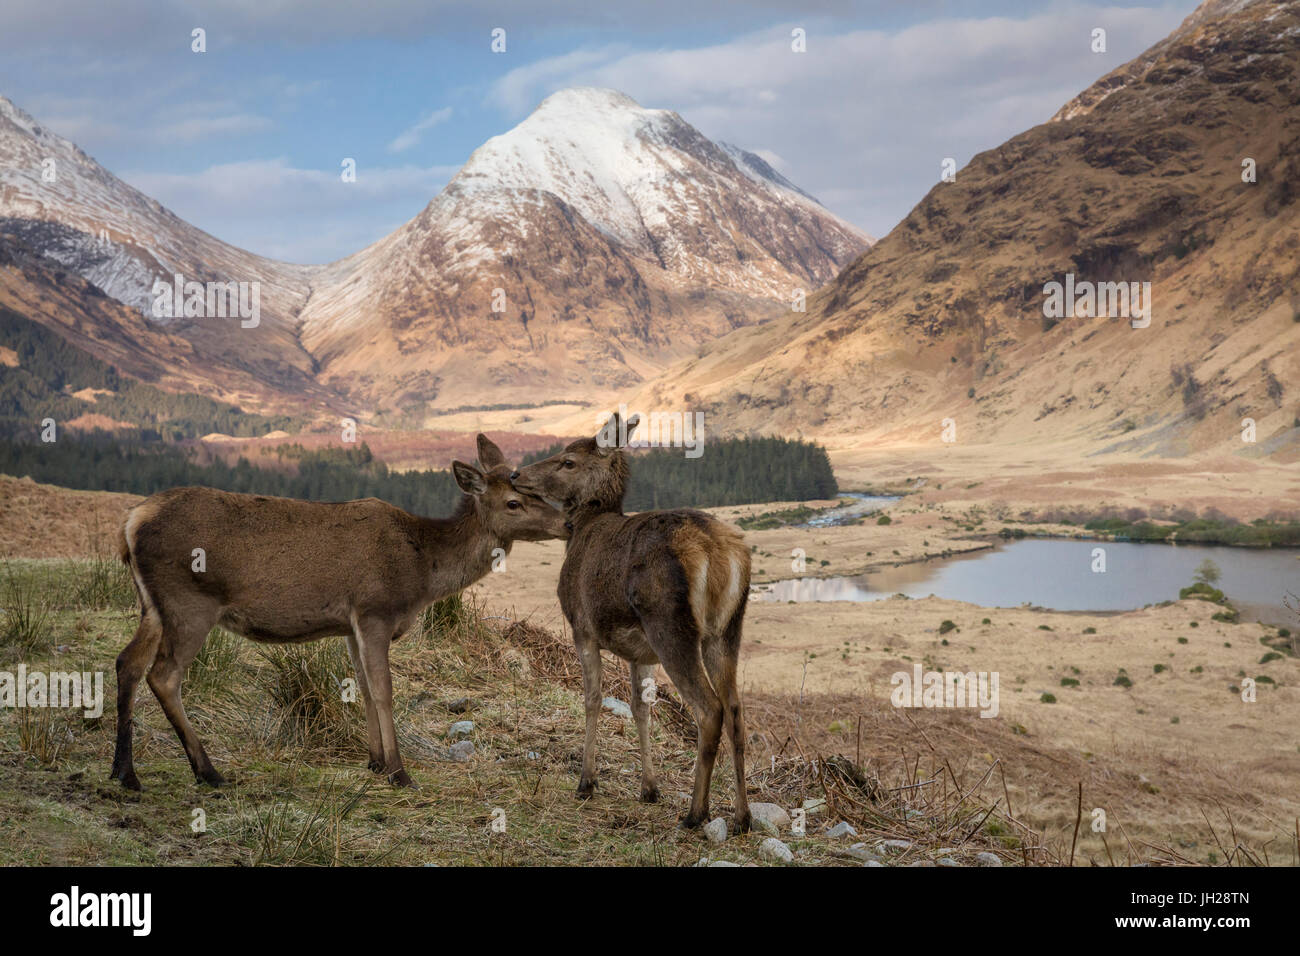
1139 179
619 237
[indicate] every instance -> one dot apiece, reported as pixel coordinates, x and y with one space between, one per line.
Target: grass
277 721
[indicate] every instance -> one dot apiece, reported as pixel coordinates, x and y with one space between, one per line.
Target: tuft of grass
307 691
26 612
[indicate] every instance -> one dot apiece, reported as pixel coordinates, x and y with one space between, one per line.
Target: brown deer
664 587
282 571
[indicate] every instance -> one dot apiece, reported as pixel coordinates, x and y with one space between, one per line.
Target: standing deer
283 571
664 587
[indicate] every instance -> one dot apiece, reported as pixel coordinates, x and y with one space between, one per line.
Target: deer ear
469 478
489 455
615 433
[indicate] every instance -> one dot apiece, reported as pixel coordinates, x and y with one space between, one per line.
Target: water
1058 574
861 505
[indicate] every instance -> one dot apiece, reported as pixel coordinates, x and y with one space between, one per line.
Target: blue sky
246 139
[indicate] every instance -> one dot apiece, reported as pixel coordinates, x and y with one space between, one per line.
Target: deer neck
458 550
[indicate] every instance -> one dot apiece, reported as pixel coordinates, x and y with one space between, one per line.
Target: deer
284 571
658 587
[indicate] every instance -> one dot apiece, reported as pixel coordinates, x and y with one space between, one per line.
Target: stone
776 851
765 826
461 728
988 859
461 751
716 830
459 705
770 812
841 829
894 846
873 863
724 863
948 861
617 707
814 805
859 851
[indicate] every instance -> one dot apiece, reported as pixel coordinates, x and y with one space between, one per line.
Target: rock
766 826
773 849
814 805
948 861
532 755
988 859
921 863
724 863
461 728
894 846
771 813
873 863
459 705
841 829
461 751
859 851
716 830
617 707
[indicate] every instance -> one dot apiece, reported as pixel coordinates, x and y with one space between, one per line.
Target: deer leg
178 650
589 655
374 738
686 668
720 661
641 712
374 638
132 664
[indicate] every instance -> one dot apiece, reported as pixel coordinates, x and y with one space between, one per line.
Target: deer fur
660 587
284 571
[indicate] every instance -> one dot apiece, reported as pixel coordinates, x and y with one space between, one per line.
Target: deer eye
513 504
569 463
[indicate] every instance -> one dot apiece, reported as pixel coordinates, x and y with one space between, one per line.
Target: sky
246 139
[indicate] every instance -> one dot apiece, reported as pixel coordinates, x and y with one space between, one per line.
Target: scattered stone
773 849
859 851
724 863
716 830
894 846
841 829
461 751
771 813
948 861
873 863
814 805
461 728
532 755
988 859
766 826
459 705
921 863
617 707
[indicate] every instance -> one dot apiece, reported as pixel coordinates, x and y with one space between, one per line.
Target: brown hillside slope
1140 179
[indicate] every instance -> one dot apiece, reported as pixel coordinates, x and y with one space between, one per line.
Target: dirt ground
1177 744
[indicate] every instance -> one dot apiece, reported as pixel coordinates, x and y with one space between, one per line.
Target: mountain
620 239
1138 179
57 200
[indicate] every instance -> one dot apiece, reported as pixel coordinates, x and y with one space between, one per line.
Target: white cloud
411 135
864 117
275 209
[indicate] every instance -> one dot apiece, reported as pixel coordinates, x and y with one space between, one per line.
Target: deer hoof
585 789
691 821
649 793
211 778
743 822
129 780
400 778
376 765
